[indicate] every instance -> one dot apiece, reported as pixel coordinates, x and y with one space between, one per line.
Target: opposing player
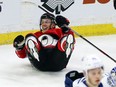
109 79
50 48
92 75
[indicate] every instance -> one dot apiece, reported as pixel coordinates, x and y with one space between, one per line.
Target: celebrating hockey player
50 48
92 75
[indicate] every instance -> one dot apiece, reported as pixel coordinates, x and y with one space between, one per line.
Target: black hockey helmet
49 16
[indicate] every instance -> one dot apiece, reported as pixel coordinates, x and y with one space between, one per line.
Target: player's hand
60 21
65 28
19 42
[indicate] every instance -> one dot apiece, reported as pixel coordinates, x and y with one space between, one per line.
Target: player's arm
19 45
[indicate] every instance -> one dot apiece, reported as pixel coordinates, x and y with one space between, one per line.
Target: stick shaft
94 46
43 9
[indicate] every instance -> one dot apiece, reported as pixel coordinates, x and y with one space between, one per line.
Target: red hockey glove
19 42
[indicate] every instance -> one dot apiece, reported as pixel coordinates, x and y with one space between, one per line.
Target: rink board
88 30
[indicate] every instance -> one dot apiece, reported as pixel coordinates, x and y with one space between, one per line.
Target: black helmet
49 16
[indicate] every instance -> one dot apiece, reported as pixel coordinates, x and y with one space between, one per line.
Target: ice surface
15 72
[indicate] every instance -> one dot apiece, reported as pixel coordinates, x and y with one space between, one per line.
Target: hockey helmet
48 16
91 62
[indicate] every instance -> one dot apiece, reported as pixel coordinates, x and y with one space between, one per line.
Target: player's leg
66 44
39 56
32 46
63 51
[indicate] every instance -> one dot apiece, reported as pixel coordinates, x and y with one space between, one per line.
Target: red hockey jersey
56 33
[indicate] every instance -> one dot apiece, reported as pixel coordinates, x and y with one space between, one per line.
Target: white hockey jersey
81 82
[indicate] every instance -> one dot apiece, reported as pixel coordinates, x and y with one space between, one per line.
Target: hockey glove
65 28
60 20
19 42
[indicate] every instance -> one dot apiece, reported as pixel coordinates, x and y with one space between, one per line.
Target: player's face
46 24
94 76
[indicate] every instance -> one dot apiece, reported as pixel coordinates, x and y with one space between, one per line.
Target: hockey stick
94 46
79 35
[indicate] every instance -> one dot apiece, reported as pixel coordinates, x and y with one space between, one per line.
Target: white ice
15 72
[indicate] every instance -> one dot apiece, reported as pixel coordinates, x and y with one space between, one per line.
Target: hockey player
109 79
50 48
92 75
